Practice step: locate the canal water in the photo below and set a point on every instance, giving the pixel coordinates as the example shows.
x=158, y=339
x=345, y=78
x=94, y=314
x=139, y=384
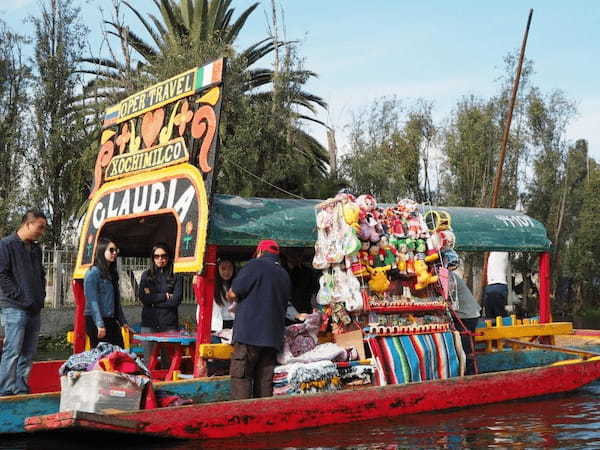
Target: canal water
x=565, y=421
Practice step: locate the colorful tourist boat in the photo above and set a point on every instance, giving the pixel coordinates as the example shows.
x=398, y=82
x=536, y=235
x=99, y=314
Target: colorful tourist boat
x=154, y=182
x=275, y=414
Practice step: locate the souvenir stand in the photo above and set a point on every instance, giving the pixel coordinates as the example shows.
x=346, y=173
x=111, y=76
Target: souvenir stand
x=383, y=274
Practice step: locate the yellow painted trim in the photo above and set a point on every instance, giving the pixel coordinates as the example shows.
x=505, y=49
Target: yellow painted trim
x=106, y=135
x=575, y=361
x=211, y=97
x=566, y=362
x=181, y=170
x=116, y=159
x=215, y=351
x=156, y=105
x=519, y=331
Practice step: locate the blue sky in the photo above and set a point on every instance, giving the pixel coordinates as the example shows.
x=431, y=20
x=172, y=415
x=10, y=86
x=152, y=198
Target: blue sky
x=436, y=50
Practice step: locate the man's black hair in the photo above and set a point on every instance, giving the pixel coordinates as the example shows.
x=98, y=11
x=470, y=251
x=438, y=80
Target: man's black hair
x=31, y=215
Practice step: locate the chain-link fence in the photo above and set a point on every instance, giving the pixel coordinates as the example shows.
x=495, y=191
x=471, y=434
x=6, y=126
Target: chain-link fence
x=60, y=263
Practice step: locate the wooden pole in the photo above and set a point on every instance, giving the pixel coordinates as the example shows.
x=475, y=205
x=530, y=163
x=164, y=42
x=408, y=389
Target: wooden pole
x=572, y=351
x=511, y=107
x=504, y=143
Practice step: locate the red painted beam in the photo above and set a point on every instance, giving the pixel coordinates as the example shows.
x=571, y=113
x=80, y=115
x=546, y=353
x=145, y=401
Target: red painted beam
x=78, y=318
x=587, y=332
x=204, y=291
x=545, y=285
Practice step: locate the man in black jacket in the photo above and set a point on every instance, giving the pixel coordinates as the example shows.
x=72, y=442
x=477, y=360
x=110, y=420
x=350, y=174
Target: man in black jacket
x=22, y=294
x=262, y=290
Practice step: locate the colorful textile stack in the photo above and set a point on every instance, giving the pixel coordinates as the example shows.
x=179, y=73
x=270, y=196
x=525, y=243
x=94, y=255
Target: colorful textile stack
x=419, y=357
x=297, y=378
x=106, y=357
x=354, y=373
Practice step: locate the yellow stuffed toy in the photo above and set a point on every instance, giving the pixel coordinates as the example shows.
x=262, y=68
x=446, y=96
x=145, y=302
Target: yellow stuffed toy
x=424, y=278
x=379, y=281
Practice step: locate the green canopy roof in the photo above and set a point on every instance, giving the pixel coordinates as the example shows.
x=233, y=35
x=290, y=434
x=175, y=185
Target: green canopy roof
x=238, y=221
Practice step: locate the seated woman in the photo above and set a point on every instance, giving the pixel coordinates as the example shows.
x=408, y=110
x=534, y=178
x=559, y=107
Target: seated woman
x=223, y=314
x=161, y=292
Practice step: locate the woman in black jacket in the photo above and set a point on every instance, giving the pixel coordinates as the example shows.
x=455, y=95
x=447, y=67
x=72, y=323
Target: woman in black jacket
x=161, y=292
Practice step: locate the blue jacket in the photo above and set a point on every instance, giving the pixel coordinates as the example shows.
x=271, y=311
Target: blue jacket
x=263, y=289
x=102, y=299
x=22, y=275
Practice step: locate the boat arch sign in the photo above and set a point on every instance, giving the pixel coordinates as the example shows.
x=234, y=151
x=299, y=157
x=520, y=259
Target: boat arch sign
x=171, y=201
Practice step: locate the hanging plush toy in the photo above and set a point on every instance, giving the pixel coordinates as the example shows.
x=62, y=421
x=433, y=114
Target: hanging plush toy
x=402, y=258
x=424, y=278
x=351, y=215
x=367, y=218
x=379, y=281
x=387, y=253
x=363, y=258
x=374, y=259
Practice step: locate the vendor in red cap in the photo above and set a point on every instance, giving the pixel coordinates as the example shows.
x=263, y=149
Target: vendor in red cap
x=262, y=290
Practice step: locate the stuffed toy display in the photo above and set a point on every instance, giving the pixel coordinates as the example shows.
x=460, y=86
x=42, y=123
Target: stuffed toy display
x=380, y=257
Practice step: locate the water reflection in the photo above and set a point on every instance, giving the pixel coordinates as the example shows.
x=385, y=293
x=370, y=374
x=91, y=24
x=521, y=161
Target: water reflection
x=566, y=421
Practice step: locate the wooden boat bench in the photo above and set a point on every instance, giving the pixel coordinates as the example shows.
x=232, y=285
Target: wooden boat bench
x=520, y=329
x=215, y=351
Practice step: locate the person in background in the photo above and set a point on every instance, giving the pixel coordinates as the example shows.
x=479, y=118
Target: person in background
x=466, y=313
x=104, y=315
x=223, y=314
x=161, y=292
x=305, y=282
x=262, y=290
x=22, y=295
x=496, y=290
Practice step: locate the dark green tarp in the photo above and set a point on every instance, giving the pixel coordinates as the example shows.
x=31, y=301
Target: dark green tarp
x=238, y=221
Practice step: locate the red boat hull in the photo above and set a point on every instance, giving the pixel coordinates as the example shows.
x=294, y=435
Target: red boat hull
x=230, y=419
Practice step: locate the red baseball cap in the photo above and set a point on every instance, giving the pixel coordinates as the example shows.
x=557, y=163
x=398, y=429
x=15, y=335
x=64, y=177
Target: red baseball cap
x=268, y=245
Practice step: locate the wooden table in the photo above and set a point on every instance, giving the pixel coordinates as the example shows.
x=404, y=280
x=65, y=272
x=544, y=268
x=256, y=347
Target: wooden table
x=175, y=341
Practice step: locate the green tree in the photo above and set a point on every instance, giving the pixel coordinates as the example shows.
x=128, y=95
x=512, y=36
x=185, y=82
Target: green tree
x=385, y=151
x=14, y=84
x=59, y=130
x=583, y=263
x=193, y=32
x=548, y=116
x=546, y=194
x=470, y=145
x=283, y=159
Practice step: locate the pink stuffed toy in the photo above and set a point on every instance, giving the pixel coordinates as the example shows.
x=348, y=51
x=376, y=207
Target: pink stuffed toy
x=367, y=218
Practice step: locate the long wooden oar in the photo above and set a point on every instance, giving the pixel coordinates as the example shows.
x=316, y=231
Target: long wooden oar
x=583, y=353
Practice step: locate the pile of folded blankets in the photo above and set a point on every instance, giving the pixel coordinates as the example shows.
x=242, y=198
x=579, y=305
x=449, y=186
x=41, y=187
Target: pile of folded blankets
x=303, y=378
x=108, y=358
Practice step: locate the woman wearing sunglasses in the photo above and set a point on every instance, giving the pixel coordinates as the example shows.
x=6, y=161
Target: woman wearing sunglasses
x=103, y=312
x=161, y=292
